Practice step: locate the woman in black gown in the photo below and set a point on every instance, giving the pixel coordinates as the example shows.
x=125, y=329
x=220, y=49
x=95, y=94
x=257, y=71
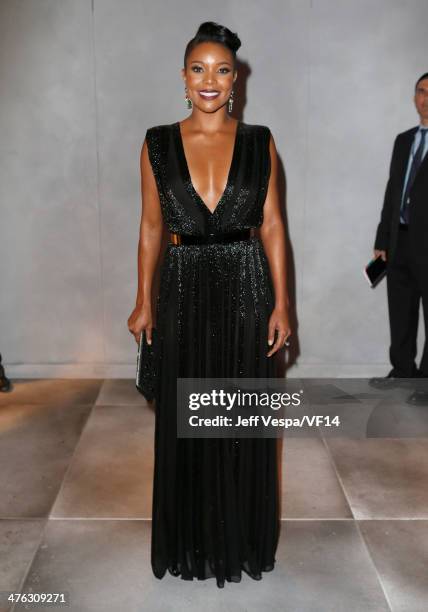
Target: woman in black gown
x=221, y=312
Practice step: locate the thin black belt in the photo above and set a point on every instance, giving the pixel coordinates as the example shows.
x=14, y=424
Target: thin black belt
x=210, y=238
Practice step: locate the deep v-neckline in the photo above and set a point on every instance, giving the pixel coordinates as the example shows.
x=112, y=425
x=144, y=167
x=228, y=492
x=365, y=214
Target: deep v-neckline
x=188, y=178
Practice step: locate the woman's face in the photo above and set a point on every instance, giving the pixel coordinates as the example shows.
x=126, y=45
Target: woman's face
x=209, y=69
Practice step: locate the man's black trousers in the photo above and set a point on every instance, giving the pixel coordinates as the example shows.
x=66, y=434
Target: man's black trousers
x=407, y=284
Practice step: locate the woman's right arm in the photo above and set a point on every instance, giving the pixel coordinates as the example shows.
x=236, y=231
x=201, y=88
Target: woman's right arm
x=149, y=245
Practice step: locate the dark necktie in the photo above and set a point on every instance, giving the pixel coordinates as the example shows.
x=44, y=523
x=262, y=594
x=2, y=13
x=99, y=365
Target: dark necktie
x=416, y=162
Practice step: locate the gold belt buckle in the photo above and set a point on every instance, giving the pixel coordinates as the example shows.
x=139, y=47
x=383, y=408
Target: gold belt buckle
x=175, y=238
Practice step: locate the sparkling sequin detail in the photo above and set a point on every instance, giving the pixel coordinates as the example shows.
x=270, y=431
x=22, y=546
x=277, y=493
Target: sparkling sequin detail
x=215, y=501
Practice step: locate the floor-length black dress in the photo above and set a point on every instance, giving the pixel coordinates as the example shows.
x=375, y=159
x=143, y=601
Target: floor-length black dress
x=215, y=501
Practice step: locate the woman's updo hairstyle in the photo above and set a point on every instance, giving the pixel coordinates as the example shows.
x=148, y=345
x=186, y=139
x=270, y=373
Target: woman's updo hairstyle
x=209, y=31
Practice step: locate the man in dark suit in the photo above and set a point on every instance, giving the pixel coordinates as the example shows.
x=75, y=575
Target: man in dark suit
x=402, y=241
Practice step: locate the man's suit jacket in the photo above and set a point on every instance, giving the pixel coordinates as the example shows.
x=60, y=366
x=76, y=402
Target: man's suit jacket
x=387, y=231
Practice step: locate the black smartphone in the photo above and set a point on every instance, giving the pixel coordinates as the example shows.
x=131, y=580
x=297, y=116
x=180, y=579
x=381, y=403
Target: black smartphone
x=375, y=271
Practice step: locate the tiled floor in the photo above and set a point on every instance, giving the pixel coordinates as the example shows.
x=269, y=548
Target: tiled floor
x=76, y=461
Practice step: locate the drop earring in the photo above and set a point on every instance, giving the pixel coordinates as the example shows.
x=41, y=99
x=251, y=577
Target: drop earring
x=188, y=100
x=231, y=101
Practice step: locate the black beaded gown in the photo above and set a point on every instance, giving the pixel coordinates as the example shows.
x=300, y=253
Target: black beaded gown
x=215, y=500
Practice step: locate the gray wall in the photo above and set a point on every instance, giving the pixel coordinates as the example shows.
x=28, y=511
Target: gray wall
x=81, y=82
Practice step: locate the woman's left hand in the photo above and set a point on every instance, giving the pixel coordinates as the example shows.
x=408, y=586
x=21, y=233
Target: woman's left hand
x=278, y=321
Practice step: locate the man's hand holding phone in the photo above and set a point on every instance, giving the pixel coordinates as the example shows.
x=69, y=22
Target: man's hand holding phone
x=378, y=253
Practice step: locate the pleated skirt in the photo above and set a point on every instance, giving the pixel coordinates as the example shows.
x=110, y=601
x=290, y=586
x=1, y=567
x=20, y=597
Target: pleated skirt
x=215, y=509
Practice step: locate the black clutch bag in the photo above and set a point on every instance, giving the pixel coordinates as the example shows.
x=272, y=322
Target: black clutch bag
x=147, y=366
